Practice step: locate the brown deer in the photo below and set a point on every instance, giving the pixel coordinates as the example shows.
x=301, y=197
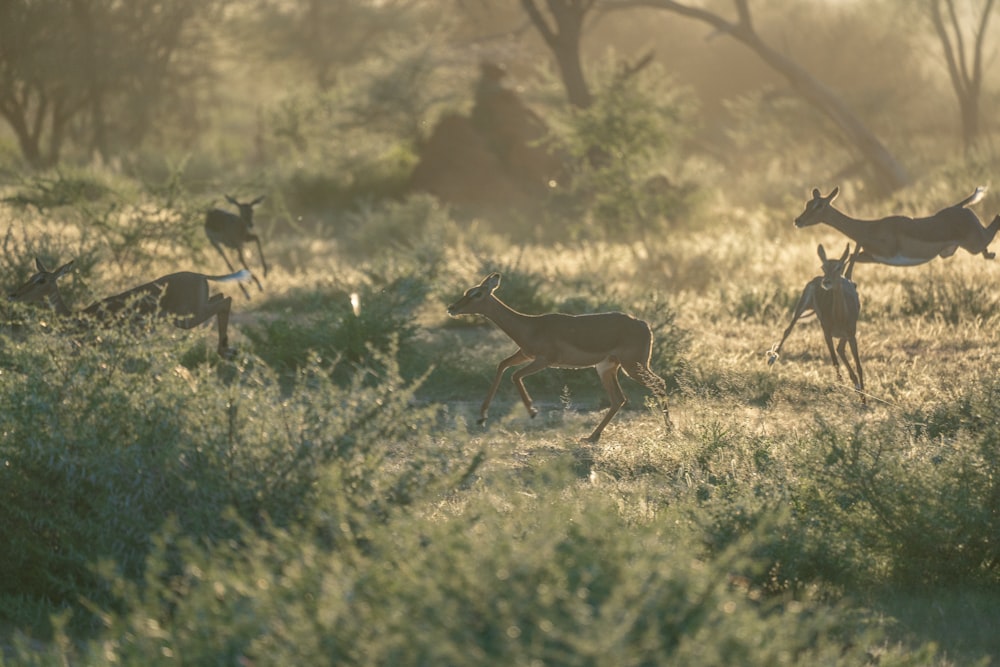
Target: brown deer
x=605, y=341
x=903, y=241
x=183, y=296
x=225, y=228
x=833, y=297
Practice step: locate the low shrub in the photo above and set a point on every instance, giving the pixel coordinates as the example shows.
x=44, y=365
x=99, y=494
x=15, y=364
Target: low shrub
x=104, y=438
x=328, y=326
x=549, y=583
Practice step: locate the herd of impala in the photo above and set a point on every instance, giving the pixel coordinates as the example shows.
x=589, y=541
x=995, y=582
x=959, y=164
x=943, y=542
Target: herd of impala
x=608, y=342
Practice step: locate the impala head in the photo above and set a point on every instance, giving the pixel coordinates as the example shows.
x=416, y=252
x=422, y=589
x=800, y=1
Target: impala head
x=42, y=285
x=470, y=301
x=833, y=269
x=246, y=210
x=815, y=208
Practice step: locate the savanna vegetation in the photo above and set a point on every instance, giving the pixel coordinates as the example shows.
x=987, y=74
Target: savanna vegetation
x=325, y=496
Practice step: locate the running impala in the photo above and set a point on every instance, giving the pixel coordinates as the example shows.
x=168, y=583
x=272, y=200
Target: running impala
x=224, y=228
x=903, y=241
x=605, y=341
x=184, y=296
x=833, y=296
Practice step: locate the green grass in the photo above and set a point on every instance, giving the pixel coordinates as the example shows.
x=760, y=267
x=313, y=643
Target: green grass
x=328, y=498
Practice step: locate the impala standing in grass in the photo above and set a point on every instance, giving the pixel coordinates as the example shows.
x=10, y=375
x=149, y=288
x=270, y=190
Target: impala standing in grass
x=903, y=241
x=183, y=296
x=224, y=228
x=833, y=296
x=605, y=341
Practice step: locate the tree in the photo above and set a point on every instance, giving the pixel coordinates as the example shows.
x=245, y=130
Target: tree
x=40, y=91
x=966, y=79
x=327, y=35
x=562, y=35
x=889, y=173
x=87, y=66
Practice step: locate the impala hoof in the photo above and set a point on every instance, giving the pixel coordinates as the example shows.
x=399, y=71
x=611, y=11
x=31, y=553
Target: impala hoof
x=481, y=421
x=771, y=358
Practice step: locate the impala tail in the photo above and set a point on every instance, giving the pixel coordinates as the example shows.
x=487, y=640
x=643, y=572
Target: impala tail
x=240, y=276
x=972, y=199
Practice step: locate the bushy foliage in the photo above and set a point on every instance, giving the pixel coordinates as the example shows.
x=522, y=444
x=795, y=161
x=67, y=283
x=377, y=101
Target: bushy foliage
x=620, y=146
x=104, y=439
x=335, y=326
x=546, y=581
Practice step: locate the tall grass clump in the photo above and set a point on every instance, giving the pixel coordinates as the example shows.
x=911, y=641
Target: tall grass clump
x=105, y=437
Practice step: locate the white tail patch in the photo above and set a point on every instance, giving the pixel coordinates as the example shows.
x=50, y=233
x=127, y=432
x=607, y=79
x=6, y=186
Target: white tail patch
x=239, y=276
x=976, y=196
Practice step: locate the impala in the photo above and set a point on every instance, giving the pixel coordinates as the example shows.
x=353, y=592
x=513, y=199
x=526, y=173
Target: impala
x=224, y=228
x=605, y=341
x=184, y=296
x=834, y=299
x=903, y=241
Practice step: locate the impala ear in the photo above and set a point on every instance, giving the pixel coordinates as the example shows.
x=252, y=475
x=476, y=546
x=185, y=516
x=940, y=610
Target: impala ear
x=257, y=200
x=833, y=195
x=491, y=282
x=816, y=194
x=41, y=267
x=847, y=251
x=232, y=201
x=821, y=251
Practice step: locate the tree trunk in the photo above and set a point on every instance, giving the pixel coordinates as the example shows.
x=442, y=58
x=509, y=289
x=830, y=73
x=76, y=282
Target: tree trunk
x=889, y=173
x=967, y=82
x=564, y=41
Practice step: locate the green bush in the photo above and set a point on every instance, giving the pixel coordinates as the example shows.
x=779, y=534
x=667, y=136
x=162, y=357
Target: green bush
x=547, y=582
x=104, y=438
x=618, y=145
x=325, y=325
x=927, y=508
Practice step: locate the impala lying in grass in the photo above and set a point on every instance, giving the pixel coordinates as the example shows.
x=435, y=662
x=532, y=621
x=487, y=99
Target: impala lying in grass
x=605, y=341
x=903, y=241
x=182, y=296
x=834, y=299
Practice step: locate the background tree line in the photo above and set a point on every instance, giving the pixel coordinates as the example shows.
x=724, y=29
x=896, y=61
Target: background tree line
x=863, y=82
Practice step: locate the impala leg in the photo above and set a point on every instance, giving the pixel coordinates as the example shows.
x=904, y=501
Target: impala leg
x=859, y=383
x=515, y=359
x=842, y=351
x=608, y=370
x=231, y=268
x=642, y=374
x=217, y=306
x=801, y=307
x=260, y=251
x=239, y=253
x=537, y=364
x=989, y=233
x=833, y=354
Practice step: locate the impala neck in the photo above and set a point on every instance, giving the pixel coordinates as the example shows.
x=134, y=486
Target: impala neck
x=514, y=324
x=842, y=222
x=57, y=303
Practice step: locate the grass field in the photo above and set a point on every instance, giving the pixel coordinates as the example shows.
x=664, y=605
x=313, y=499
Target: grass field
x=327, y=497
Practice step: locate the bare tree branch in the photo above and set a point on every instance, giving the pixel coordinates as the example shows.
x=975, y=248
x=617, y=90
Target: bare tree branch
x=889, y=173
